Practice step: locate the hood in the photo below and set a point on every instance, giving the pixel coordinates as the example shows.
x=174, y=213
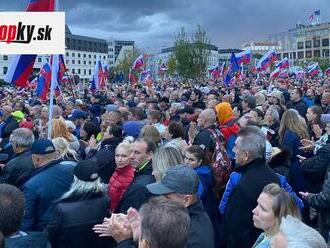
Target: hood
x=224, y=112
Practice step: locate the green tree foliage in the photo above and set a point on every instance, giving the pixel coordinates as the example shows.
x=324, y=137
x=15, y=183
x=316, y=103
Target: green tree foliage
x=126, y=63
x=171, y=66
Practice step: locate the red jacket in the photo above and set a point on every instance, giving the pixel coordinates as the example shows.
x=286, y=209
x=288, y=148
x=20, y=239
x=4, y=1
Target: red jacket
x=118, y=184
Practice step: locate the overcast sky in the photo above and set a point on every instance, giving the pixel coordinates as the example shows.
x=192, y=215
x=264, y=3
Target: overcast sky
x=154, y=23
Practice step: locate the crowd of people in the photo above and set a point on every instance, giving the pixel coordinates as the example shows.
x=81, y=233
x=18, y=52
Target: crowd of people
x=172, y=164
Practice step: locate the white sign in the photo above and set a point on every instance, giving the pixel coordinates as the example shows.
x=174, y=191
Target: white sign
x=32, y=33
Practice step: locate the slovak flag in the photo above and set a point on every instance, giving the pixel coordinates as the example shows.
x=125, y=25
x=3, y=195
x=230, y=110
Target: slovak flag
x=41, y=5
x=266, y=60
x=44, y=82
x=131, y=77
x=244, y=57
x=275, y=73
x=283, y=64
x=313, y=69
x=98, y=81
x=20, y=69
x=138, y=63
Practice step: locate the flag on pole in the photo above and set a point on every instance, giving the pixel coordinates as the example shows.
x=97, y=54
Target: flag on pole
x=283, y=64
x=131, y=77
x=41, y=5
x=20, y=69
x=98, y=81
x=244, y=57
x=233, y=68
x=138, y=63
x=43, y=84
x=266, y=60
x=313, y=69
x=327, y=72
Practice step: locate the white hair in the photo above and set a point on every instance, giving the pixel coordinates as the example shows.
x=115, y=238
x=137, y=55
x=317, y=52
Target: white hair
x=299, y=235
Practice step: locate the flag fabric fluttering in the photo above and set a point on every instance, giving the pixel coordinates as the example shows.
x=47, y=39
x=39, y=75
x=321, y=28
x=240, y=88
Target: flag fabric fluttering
x=327, y=72
x=313, y=15
x=138, y=63
x=313, y=69
x=233, y=68
x=145, y=75
x=43, y=84
x=131, y=77
x=244, y=57
x=20, y=69
x=275, y=73
x=98, y=81
x=283, y=64
x=21, y=66
x=266, y=60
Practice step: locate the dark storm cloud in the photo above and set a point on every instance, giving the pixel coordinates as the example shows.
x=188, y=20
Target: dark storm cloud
x=155, y=22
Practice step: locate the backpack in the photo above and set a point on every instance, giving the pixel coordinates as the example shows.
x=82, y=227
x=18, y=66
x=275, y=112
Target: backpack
x=221, y=162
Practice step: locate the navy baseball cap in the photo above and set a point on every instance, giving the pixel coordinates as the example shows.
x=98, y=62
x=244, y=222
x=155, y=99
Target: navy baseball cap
x=42, y=147
x=180, y=179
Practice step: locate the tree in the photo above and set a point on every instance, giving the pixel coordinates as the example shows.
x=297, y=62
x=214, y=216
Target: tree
x=171, y=66
x=201, y=52
x=184, y=55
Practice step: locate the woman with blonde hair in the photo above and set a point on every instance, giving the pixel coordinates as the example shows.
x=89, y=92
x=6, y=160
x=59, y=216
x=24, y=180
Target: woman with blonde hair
x=60, y=129
x=63, y=149
x=292, y=129
x=273, y=204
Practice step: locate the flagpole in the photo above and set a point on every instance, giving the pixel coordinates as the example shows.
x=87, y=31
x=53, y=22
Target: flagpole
x=52, y=88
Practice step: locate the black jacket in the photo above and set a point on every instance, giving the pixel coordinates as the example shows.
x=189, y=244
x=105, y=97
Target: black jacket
x=321, y=202
x=205, y=137
x=201, y=232
x=28, y=240
x=300, y=106
x=239, y=230
x=105, y=158
x=280, y=163
x=315, y=169
x=73, y=219
x=137, y=193
x=17, y=170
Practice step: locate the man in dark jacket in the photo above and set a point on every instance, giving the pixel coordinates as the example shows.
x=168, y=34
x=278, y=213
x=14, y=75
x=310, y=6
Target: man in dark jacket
x=137, y=193
x=238, y=227
x=11, y=214
x=47, y=183
x=16, y=171
x=297, y=102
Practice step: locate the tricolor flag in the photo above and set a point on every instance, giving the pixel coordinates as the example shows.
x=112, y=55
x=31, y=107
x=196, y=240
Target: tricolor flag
x=21, y=66
x=244, y=57
x=266, y=60
x=44, y=81
x=20, y=69
x=233, y=68
x=138, y=63
x=313, y=69
x=145, y=75
x=41, y=5
x=283, y=64
x=131, y=77
x=98, y=81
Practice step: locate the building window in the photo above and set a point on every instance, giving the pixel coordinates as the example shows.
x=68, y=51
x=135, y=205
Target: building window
x=308, y=54
x=94, y=56
x=78, y=71
x=325, y=42
x=67, y=54
x=89, y=56
x=89, y=62
x=316, y=43
x=90, y=71
x=67, y=61
x=39, y=60
x=78, y=62
x=73, y=54
x=73, y=71
x=111, y=56
x=5, y=69
x=73, y=62
x=317, y=53
x=285, y=55
x=308, y=44
x=78, y=55
x=5, y=57
x=300, y=55
x=294, y=55
x=110, y=62
x=104, y=57
x=84, y=71
x=84, y=56
x=325, y=53
x=84, y=62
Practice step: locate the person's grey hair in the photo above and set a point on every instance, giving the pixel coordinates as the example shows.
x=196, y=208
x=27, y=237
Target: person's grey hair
x=164, y=223
x=166, y=157
x=62, y=147
x=177, y=106
x=22, y=137
x=82, y=188
x=209, y=115
x=253, y=141
x=57, y=111
x=299, y=235
x=274, y=113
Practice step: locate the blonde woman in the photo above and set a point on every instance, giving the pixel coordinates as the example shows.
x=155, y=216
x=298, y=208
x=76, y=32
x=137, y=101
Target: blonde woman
x=292, y=129
x=64, y=151
x=60, y=130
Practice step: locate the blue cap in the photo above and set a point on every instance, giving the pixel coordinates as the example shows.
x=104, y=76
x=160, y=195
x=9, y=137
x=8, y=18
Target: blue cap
x=78, y=114
x=42, y=147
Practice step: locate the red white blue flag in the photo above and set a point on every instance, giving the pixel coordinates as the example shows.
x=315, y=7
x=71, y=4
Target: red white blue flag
x=41, y=5
x=244, y=57
x=283, y=64
x=44, y=80
x=266, y=60
x=98, y=81
x=138, y=63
